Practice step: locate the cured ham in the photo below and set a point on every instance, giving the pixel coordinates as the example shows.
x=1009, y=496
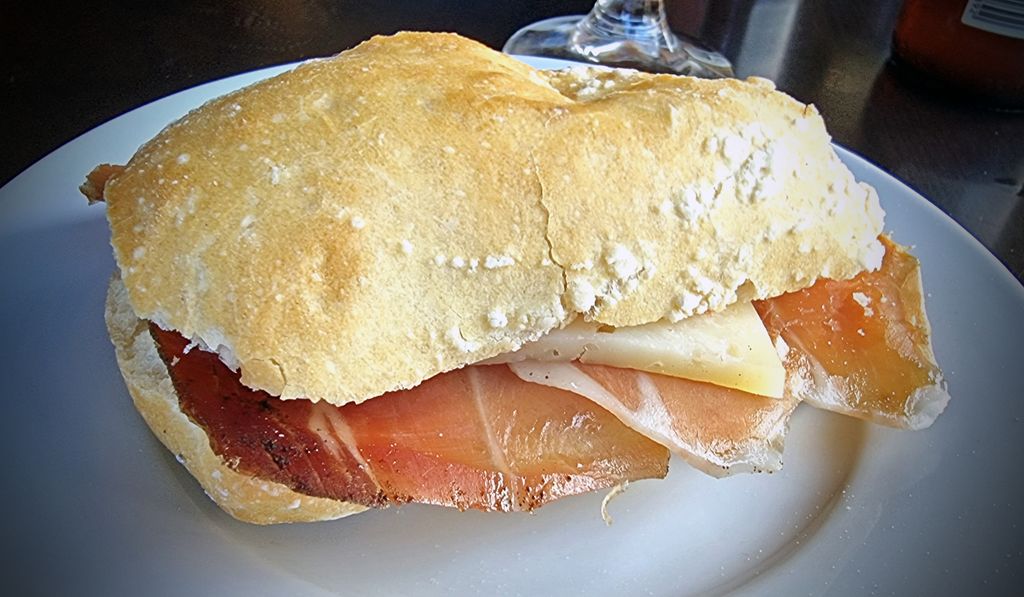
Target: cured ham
x=715, y=429
x=861, y=346
x=478, y=438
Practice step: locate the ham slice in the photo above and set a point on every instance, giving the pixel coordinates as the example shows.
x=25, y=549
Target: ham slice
x=862, y=346
x=717, y=430
x=478, y=438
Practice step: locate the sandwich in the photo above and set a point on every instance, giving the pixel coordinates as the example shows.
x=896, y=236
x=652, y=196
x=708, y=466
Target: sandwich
x=422, y=271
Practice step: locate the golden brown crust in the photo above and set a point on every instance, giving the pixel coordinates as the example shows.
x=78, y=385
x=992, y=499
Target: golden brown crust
x=360, y=246
x=96, y=181
x=418, y=203
x=246, y=498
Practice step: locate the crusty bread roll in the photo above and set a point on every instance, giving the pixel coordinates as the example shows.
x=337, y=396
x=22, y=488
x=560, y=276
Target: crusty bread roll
x=421, y=202
x=246, y=498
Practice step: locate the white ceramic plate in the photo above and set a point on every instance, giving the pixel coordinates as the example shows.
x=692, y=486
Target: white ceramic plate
x=94, y=505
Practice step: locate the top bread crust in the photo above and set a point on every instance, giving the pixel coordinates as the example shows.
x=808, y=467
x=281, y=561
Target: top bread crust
x=421, y=202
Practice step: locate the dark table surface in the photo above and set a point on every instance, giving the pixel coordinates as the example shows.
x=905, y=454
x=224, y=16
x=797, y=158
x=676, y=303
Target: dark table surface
x=68, y=67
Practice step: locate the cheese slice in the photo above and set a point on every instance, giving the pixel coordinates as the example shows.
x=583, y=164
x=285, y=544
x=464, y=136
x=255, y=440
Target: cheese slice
x=730, y=348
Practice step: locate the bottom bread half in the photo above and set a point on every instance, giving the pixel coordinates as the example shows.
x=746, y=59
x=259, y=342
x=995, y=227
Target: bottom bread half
x=246, y=498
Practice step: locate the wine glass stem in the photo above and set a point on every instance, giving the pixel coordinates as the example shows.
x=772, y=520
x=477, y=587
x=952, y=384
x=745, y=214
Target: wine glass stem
x=643, y=21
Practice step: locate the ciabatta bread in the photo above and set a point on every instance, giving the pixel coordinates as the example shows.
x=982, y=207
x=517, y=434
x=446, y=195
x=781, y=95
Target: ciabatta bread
x=364, y=222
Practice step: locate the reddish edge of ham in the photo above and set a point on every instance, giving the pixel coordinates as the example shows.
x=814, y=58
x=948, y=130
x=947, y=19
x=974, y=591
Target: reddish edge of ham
x=476, y=438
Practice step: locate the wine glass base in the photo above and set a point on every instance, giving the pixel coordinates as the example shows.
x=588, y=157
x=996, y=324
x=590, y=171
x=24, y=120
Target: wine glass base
x=562, y=37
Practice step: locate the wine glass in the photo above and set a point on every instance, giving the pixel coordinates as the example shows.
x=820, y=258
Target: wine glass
x=626, y=33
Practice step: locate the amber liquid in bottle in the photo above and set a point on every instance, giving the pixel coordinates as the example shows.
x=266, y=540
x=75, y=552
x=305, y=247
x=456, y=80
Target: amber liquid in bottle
x=932, y=40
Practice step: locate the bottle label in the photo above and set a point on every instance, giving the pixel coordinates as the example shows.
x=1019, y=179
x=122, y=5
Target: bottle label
x=1003, y=17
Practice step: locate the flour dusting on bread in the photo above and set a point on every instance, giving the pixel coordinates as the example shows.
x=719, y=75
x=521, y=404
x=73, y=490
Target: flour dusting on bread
x=425, y=192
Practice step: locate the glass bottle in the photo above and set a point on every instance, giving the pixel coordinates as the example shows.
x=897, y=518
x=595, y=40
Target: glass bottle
x=976, y=47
